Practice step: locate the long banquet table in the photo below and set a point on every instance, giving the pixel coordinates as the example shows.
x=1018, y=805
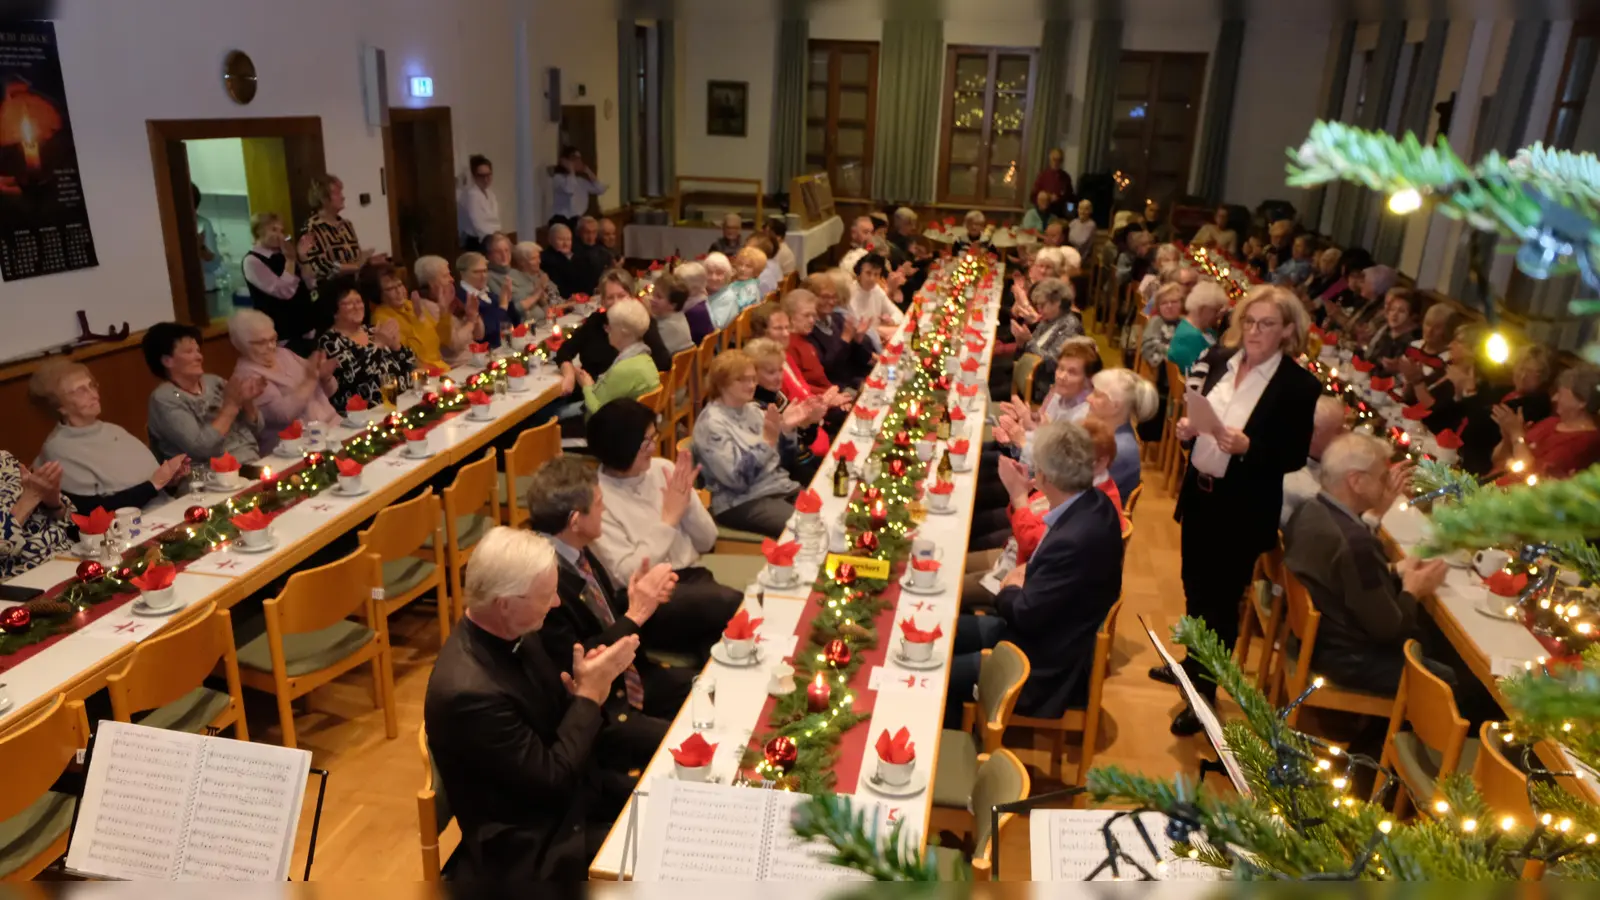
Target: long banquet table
x=78, y=663
x=896, y=696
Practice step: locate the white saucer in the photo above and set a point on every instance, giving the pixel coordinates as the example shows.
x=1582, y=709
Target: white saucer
x=216, y=485
x=340, y=492
x=5, y=703
x=352, y=423
x=1494, y=606
x=408, y=454
x=934, y=661
x=472, y=418
x=281, y=453
x=766, y=581
x=523, y=390
x=720, y=654
x=139, y=608
x=917, y=784
x=908, y=587
x=960, y=470
x=1458, y=561
x=268, y=548
x=947, y=511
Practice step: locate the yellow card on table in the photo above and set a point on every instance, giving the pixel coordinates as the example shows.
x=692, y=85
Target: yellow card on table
x=866, y=567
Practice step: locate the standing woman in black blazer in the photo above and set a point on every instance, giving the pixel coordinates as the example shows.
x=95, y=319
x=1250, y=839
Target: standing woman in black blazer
x=1233, y=492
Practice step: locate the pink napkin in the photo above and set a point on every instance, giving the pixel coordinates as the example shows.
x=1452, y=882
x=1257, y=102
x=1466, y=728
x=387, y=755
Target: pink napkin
x=898, y=749
x=694, y=752
x=741, y=627
x=779, y=554
x=910, y=631
x=155, y=578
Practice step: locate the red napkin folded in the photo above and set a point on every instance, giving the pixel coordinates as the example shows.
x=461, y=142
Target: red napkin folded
x=942, y=487
x=224, y=463
x=253, y=520
x=959, y=447
x=155, y=578
x=437, y=371
x=580, y=299
x=293, y=432
x=1383, y=384
x=516, y=370
x=949, y=221
x=1361, y=365
x=898, y=749
x=846, y=452
x=977, y=315
x=1416, y=412
x=655, y=266
x=1317, y=333
x=1448, y=439
x=1031, y=232
x=957, y=414
x=1505, y=584
x=741, y=627
x=780, y=554
x=97, y=522
x=976, y=346
x=910, y=631
x=479, y=347
x=348, y=467
x=925, y=565
x=896, y=348
x=694, y=752
x=819, y=444
x=478, y=398
x=416, y=434
x=356, y=404
x=520, y=330
x=808, y=502
x=865, y=412
x=967, y=390
x=970, y=364
x=877, y=384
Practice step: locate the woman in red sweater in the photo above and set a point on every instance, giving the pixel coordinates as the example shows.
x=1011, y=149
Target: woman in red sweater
x=1560, y=445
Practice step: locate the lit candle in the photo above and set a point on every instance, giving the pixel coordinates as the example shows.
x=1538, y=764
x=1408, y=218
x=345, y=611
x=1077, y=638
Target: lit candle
x=818, y=694
x=266, y=473
x=879, y=515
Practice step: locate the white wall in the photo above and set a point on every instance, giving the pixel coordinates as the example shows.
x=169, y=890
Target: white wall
x=723, y=50
x=581, y=40
x=1278, y=97
x=125, y=63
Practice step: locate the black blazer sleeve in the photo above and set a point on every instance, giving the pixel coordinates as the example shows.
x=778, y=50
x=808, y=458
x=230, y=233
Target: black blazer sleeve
x=1280, y=430
x=527, y=765
x=138, y=495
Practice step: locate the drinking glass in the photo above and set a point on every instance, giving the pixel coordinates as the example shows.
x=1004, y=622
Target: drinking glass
x=703, y=703
x=199, y=476
x=389, y=387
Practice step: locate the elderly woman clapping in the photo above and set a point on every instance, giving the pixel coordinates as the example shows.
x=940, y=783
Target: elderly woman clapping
x=459, y=324
x=192, y=412
x=531, y=289
x=1057, y=321
x=493, y=301
x=634, y=373
x=1122, y=400
x=101, y=463
x=364, y=358
x=737, y=444
x=722, y=301
x=295, y=387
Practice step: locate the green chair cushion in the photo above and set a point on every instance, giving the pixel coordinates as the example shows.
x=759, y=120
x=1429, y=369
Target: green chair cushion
x=735, y=570
x=312, y=651
x=957, y=771
x=403, y=574
x=192, y=712
x=1418, y=764
x=523, y=483
x=470, y=529
x=30, y=832
x=949, y=861
x=725, y=533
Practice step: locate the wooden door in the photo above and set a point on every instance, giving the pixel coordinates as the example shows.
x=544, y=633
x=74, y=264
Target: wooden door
x=419, y=163
x=179, y=228
x=578, y=130
x=1153, y=121
x=988, y=94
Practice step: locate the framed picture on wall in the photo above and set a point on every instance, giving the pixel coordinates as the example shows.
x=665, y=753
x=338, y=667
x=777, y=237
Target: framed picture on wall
x=726, y=105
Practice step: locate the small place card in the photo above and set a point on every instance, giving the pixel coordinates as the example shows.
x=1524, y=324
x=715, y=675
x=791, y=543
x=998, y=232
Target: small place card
x=881, y=679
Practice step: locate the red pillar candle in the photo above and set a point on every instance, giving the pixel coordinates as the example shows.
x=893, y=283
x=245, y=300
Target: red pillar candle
x=818, y=694
x=878, y=515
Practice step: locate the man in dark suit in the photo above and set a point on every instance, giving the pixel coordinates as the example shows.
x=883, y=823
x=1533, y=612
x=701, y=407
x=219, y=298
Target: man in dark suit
x=1052, y=604
x=565, y=505
x=512, y=735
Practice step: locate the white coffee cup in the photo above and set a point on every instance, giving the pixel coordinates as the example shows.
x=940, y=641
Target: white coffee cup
x=916, y=651
x=952, y=363
x=781, y=684
x=958, y=428
x=896, y=774
x=129, y=519
x=925, y=448
x=837, y=540
x=521, y=342
x=480, y=360
x=480, y=412
x=779, y=574
x=1446, y=456
x=923, y=548
x=924, y=578
x=350, y=484
x=417, y=447
x=962, y=462
x=864, y=426
x=938, y=502
x=808, y=521
x=160, y=599
x=257, y=539
x=1487, y=562
x=517, y=383
x=695, y=773
x=739, y=649
x=291, y=446
x=227, y=480
x=316, y=434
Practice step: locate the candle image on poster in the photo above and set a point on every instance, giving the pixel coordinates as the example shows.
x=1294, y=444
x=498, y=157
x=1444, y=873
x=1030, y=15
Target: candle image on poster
x=44, y=222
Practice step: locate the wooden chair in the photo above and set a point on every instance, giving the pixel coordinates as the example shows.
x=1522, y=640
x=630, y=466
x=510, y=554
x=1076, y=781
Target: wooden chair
x=730, y=541
x=166, y=675
x=1022, y=373
x=534, y=448
x=34, y=820
x=1086, y=720
x=1301, y=621
x=1173, y=457
x=1502, y=784
x=653, y=399
x=1001, y=779
x=679, y=400
x=310, y=640
x=1437, y=741
x=1003, y=672
x=471, y=508
x=1132, y=500
x=1262, y=615
x=433, y=811
x=741, y=327
x=710, y=345
x=1127, y=534
x=409, y=540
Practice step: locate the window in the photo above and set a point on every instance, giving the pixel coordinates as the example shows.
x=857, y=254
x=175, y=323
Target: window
x=842, y=113
x=988, y=93
x=1153, y=121
x=1574, y=91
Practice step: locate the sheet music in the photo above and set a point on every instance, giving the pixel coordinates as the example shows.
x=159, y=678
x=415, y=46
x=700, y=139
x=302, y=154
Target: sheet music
x=1069, y=844
x=1206, y=715
x=165, y=805
x=709, y=832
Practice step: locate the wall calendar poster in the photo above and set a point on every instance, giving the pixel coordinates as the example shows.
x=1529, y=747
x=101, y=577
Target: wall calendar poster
x=44, y=221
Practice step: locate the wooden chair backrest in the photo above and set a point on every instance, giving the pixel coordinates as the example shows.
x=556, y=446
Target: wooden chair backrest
x=679, y=377
x=1132, y=500
x=1174, y=389
x=398, y=530
x=476, y=487
x=313, y=599
x=534, y=448
x=1427, y=702
x=1002, y=778
x=1022, y=376
x=34, y=754
x=172, y=663
x=433, y=811
x=1504, y=786
x=1127, y=534
x=1302, y=620
x=653, y=400
x=1104, y=640
x=1001, y=675
x=709, y=345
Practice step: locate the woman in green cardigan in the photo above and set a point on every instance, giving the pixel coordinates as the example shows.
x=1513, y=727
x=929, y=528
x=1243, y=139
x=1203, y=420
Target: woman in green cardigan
x=634, y=373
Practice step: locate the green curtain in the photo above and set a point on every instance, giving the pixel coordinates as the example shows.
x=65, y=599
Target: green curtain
x=1218, y=124
x=1413, y=118
x=628, y=174
x=786, y=159
x=668, y=41
x=1332, y=104
x=910, y=70
x=1099, y=96
x=1048, y=129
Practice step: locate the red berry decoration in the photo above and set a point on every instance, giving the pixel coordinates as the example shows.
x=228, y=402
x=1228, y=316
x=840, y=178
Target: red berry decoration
x=780, y=753
x=195, y=515
x=16, y=619
x=837, y=653
x=845, y=574
x=89, y=570
x=124, y=573
x=868, y=541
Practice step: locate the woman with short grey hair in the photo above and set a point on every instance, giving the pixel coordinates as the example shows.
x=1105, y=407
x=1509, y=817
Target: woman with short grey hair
x=694, y=276
x=532, y=288
x=634, y=372
x=297, y=388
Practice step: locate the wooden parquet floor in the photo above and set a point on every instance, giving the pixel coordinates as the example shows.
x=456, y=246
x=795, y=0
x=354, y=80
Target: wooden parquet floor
x=369, y=825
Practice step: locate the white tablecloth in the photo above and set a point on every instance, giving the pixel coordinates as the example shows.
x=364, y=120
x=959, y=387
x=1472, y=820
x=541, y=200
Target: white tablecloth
x=690, y=241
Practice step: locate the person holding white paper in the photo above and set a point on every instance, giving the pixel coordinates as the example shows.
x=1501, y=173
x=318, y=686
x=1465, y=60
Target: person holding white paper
x=1263, y=404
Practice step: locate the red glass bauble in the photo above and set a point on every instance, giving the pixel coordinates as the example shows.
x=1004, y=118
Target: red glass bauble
x=16, y=619
x=124, y=573
x=430, y=398
x=873, y=493
x=942, y=384
x=780, y=753
x=845, y=574
x=89, y=570
x=194, y=515
x=903, y=438
x=837, y=653
x=868, y=541
x=897, y=467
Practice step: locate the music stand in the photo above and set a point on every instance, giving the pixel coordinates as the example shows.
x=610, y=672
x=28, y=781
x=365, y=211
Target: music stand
x=1226, y=763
